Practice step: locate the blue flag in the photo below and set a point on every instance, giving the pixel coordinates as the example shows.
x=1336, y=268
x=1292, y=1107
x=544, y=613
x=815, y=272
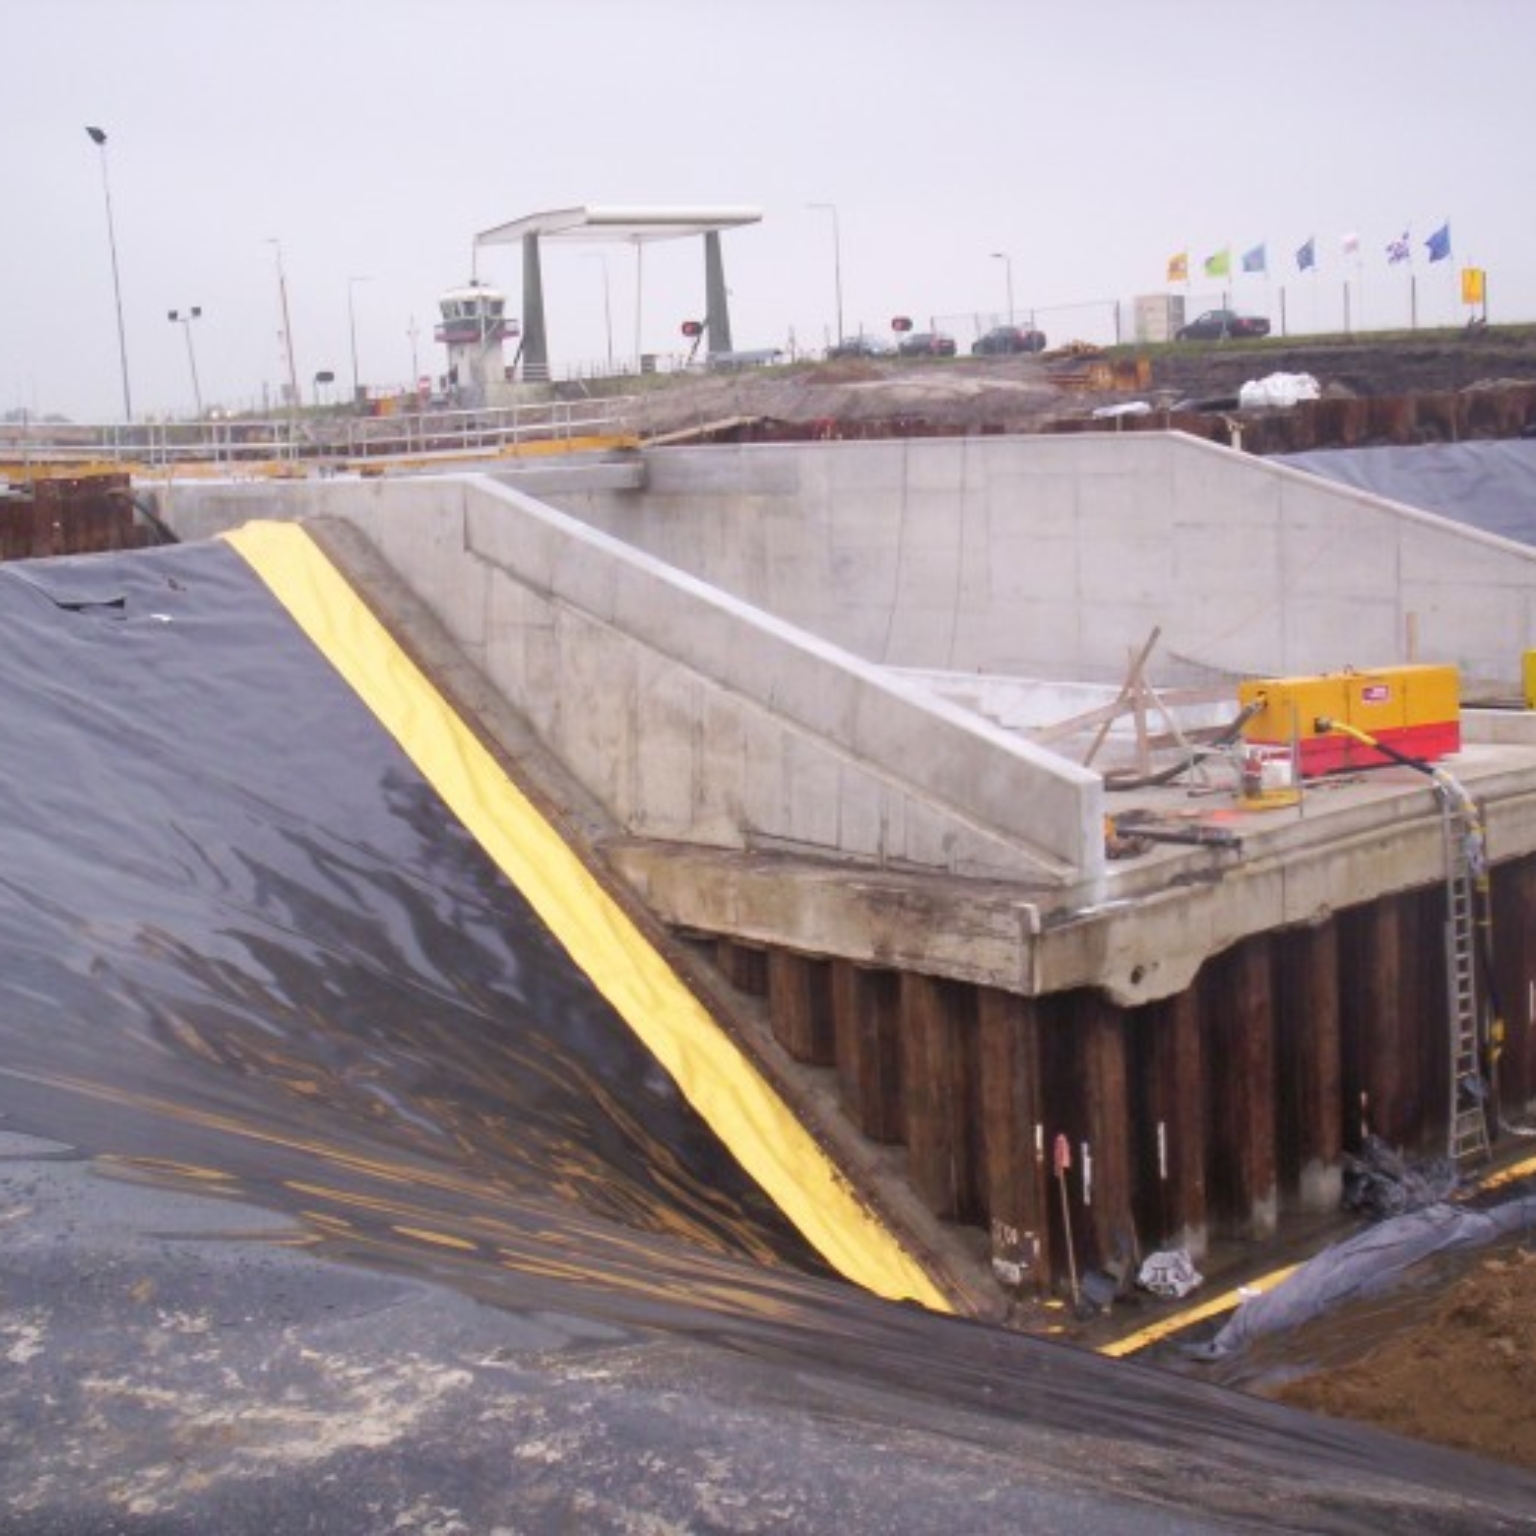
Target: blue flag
x=1439, y=243
x=1306, y=257
x=1253, y=261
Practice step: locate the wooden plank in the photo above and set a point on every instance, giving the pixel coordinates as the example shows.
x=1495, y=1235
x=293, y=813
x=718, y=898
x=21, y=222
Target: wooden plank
x=1169, y=1084
x=1103, y=1161
x=1015, y=1171
x=800, y=1007
x=866, y=1014
x=744, y=966
x=1309, y=1062
x=1237, y=1015
x=937, y=1033
x=1221, y=693
x=1383, y=1066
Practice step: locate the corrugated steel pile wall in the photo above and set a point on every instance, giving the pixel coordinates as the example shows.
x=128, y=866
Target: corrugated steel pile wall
x=1395, y=420
x=64, y=515
x=1215, y=1117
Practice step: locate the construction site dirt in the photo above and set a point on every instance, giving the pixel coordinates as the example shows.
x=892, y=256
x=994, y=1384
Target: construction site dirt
x=1446, y=1356
x=1456, y=1366
x=1439, y=387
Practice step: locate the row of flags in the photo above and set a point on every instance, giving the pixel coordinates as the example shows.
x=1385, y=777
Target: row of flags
x=1256, y=260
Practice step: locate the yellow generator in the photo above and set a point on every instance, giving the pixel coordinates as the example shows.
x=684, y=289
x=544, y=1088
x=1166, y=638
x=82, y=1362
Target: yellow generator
x=1416, y=710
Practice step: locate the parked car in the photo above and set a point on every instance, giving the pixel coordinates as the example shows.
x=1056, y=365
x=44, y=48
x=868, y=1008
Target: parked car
x=1002, y=339
x=926, y=344
x=860, y=346
x=1218, y=324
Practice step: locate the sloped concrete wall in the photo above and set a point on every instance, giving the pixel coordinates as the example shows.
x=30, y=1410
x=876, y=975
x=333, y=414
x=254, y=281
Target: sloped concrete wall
x=689, y=714
x=1057, y=557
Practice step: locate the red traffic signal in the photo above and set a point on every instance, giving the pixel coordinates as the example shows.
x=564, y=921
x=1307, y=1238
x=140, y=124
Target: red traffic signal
x=692, y=328
x=901, y=323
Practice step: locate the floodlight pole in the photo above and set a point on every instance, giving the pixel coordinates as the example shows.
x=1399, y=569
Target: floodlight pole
x=837, y=261
x=99, y=138
x=184, y=319
x=295, y=400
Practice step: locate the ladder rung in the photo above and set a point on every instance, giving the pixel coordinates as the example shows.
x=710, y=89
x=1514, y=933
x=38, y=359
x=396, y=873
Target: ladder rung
x=1468, y=1136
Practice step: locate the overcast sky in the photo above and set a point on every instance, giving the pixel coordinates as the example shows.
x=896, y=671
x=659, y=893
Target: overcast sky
x=1089, y=140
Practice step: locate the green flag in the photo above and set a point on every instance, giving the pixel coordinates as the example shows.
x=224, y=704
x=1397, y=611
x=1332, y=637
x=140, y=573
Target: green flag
x=1220, y=264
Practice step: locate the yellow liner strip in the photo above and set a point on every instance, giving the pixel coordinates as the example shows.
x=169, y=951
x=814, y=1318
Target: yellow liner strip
x=712, y=1072
x=1230, y=1300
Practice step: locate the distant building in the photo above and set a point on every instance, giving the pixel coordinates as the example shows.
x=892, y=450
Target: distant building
x=473, y=327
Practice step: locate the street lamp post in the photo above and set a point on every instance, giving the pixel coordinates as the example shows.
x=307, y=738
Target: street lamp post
x=294, y=402
x=184, y=318
x=99, y=138
x=352, y=283
x=1007, y=262
x=837, y=261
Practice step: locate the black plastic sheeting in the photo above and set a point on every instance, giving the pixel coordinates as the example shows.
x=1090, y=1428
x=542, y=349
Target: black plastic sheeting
x=332, y=1199
x=1490, y=486
x=1368, y=1264
x=214, y=858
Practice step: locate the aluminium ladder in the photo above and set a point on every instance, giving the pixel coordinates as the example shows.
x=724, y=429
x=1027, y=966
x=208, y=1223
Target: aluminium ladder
x=1468, y=1141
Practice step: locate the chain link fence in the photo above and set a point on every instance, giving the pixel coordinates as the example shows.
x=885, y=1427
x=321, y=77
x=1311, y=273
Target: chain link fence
x=1098, y=322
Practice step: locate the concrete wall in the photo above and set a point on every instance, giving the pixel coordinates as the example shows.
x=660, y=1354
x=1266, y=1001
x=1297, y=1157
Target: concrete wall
x=1057, y=556
x=689, y=714
x=749, y=704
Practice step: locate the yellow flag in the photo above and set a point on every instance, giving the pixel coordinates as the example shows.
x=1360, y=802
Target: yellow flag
x=1178, y=268
x=1471, y=285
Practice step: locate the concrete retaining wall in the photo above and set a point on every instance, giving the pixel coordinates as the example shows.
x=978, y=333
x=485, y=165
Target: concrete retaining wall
x=690, y=715
x=1057, y=556
x=706, y=643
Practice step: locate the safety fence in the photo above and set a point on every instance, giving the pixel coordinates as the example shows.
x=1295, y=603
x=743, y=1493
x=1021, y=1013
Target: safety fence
x=27, y=449
x=1098, y=322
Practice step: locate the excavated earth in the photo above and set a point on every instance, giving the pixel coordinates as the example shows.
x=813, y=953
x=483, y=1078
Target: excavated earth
x=1462, y=1373
x=1058, y=390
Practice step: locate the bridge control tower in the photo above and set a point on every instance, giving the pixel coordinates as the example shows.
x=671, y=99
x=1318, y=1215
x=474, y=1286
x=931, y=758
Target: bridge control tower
x=473, y=326
x=638, y=227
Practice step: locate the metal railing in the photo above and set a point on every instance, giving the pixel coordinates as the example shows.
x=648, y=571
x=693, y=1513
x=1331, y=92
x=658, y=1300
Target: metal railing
x=309, y=439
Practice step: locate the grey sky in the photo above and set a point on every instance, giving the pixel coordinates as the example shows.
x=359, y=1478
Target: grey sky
x=1090, y=142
